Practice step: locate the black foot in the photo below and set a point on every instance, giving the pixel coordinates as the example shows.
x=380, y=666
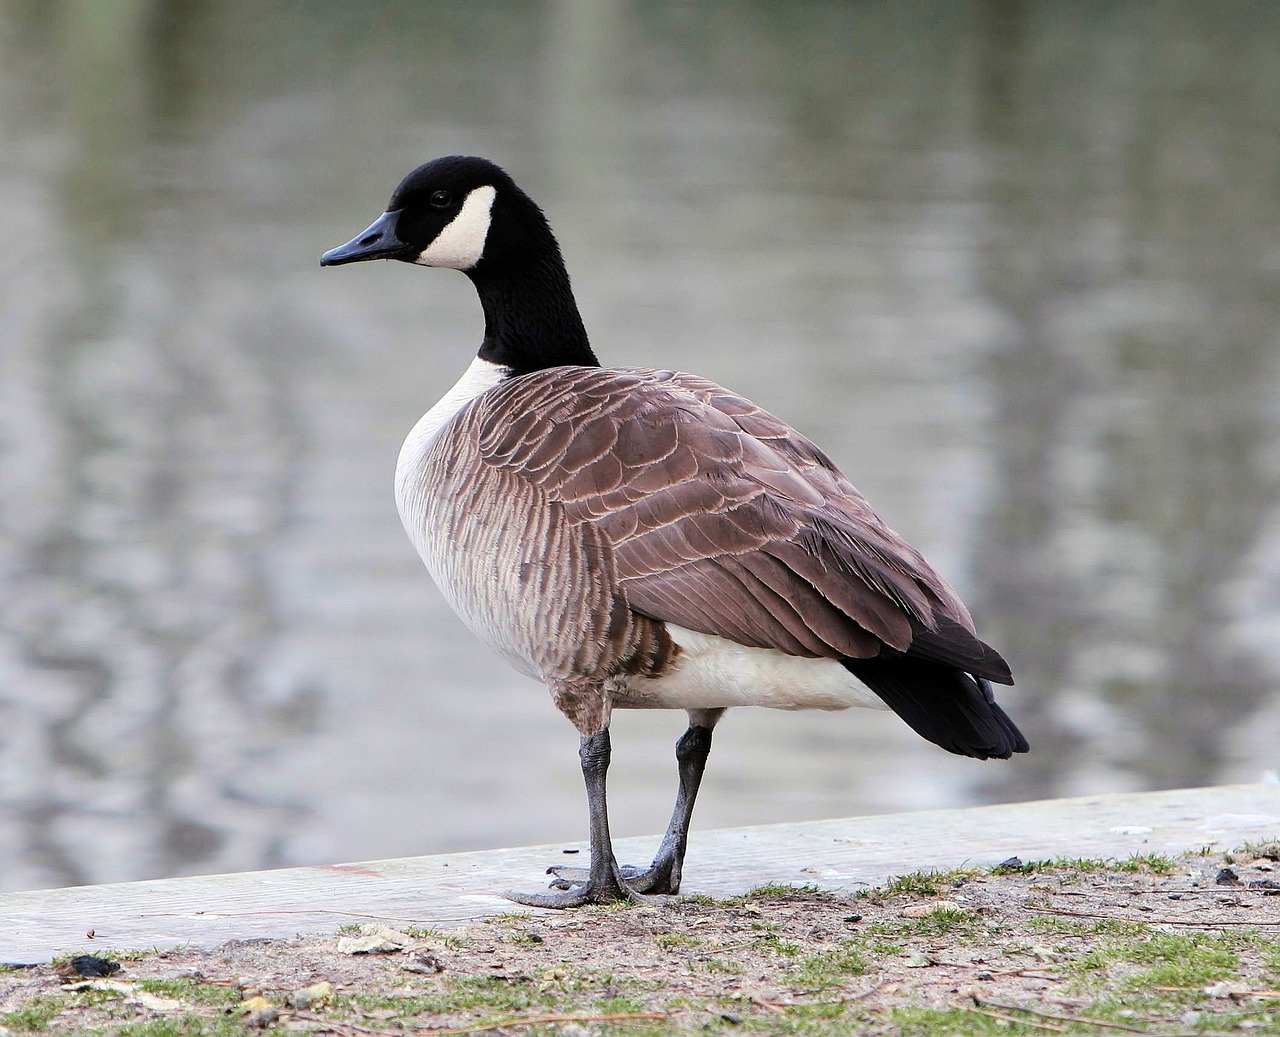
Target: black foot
x=657, y=878
x=581, y=890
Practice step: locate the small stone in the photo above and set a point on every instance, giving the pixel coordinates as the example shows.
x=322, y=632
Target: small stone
x=917, y=961
x=852, y=919
x=1226, y=877
x=305, y=997
x=986, y=977
x=261, y=1018
x=427, y=964
x=1226, y=989
x=259, y=1013
x=1010, y=862
x=374, y=939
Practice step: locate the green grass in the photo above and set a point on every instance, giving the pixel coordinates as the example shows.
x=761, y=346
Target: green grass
x=191, y=991
x=1154, y=863
x=178, y=1026
x=1169, y=960
x=768, y=891
x=35, y=1015
x=925, y=883
x=943, y=1022
x=1085, y=927
x=677, y=941
x=1142, y=863
x=777, y=945
x=830, y=968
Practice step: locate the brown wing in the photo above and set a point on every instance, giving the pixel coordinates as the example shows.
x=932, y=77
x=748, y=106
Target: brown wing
x=722, y=518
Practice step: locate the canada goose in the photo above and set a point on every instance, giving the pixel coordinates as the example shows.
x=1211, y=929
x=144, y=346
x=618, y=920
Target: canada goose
x=640, y=538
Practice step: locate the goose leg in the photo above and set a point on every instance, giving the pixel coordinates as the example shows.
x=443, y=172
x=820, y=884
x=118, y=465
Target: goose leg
x=604, y=883
x=664, y=874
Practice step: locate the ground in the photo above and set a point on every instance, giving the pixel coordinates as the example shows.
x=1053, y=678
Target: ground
x=1156, y=945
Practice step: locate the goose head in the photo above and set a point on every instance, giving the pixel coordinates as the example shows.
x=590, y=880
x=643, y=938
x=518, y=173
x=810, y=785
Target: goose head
x=457, y=212
x=467, y=214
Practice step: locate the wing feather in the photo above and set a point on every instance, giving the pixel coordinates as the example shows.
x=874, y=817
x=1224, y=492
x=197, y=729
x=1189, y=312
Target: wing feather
x=718, y=516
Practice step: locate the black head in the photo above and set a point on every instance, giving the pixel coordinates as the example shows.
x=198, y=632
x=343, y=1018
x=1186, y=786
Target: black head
x=457, y=212
x=467, y=214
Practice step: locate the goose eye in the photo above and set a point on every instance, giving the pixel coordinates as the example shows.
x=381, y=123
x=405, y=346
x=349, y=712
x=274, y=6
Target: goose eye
x=440, y=199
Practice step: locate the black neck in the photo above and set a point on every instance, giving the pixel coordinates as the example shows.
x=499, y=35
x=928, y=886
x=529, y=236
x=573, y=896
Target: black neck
x=531, y=320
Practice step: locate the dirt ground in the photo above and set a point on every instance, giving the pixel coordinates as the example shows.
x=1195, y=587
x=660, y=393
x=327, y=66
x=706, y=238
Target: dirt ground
x=1148, y=945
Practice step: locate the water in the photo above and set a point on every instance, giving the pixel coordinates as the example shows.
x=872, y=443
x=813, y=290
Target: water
x=1015, y=265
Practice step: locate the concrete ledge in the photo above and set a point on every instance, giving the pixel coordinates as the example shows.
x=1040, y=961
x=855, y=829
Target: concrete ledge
x=451, y=890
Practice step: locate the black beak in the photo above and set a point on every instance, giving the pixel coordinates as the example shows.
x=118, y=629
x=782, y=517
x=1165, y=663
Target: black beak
x=378, y=242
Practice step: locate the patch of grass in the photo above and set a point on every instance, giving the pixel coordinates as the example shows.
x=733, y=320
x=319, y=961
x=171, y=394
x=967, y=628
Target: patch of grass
x=674, y=941
x=928, y=882
x=935, y=1022
x=783, y=948
x=1153, y=863
x=944, y=921
x=1269, y=850
x=181, y=1026
x=936, y=923
x=1190, y=960
x=35, y=1015
x=1074, y=865
x=774, y=891
x=723, y=965
x=829, y=968
x=1085, y=927
x=457, y=994
x=619, y=1003
x=192, y=991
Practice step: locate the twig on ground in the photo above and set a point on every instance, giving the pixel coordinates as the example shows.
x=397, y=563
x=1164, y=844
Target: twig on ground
x=537, y=1020
x=869, y=991
x=1078, y=1020
x=343, y=1026
x=1014, y=1019
x=1250, y=923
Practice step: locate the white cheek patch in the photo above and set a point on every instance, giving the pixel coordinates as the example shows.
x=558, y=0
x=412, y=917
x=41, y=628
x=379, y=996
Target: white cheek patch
x=461, y=244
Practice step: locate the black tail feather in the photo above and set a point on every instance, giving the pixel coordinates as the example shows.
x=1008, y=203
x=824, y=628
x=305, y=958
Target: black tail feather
x=948, y=706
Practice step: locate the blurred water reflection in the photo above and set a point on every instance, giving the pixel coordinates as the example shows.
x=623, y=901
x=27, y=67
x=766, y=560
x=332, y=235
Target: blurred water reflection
x=1015, y=264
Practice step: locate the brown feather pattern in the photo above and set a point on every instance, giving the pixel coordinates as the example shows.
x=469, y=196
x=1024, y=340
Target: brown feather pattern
x=644, y=497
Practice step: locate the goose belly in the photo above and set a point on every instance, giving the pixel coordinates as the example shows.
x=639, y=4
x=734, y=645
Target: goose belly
x=714, y=673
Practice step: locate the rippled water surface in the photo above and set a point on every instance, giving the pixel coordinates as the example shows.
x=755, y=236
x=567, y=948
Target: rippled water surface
x=1015, y=265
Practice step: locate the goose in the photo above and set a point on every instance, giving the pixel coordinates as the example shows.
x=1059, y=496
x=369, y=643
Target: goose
x=638, y=538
